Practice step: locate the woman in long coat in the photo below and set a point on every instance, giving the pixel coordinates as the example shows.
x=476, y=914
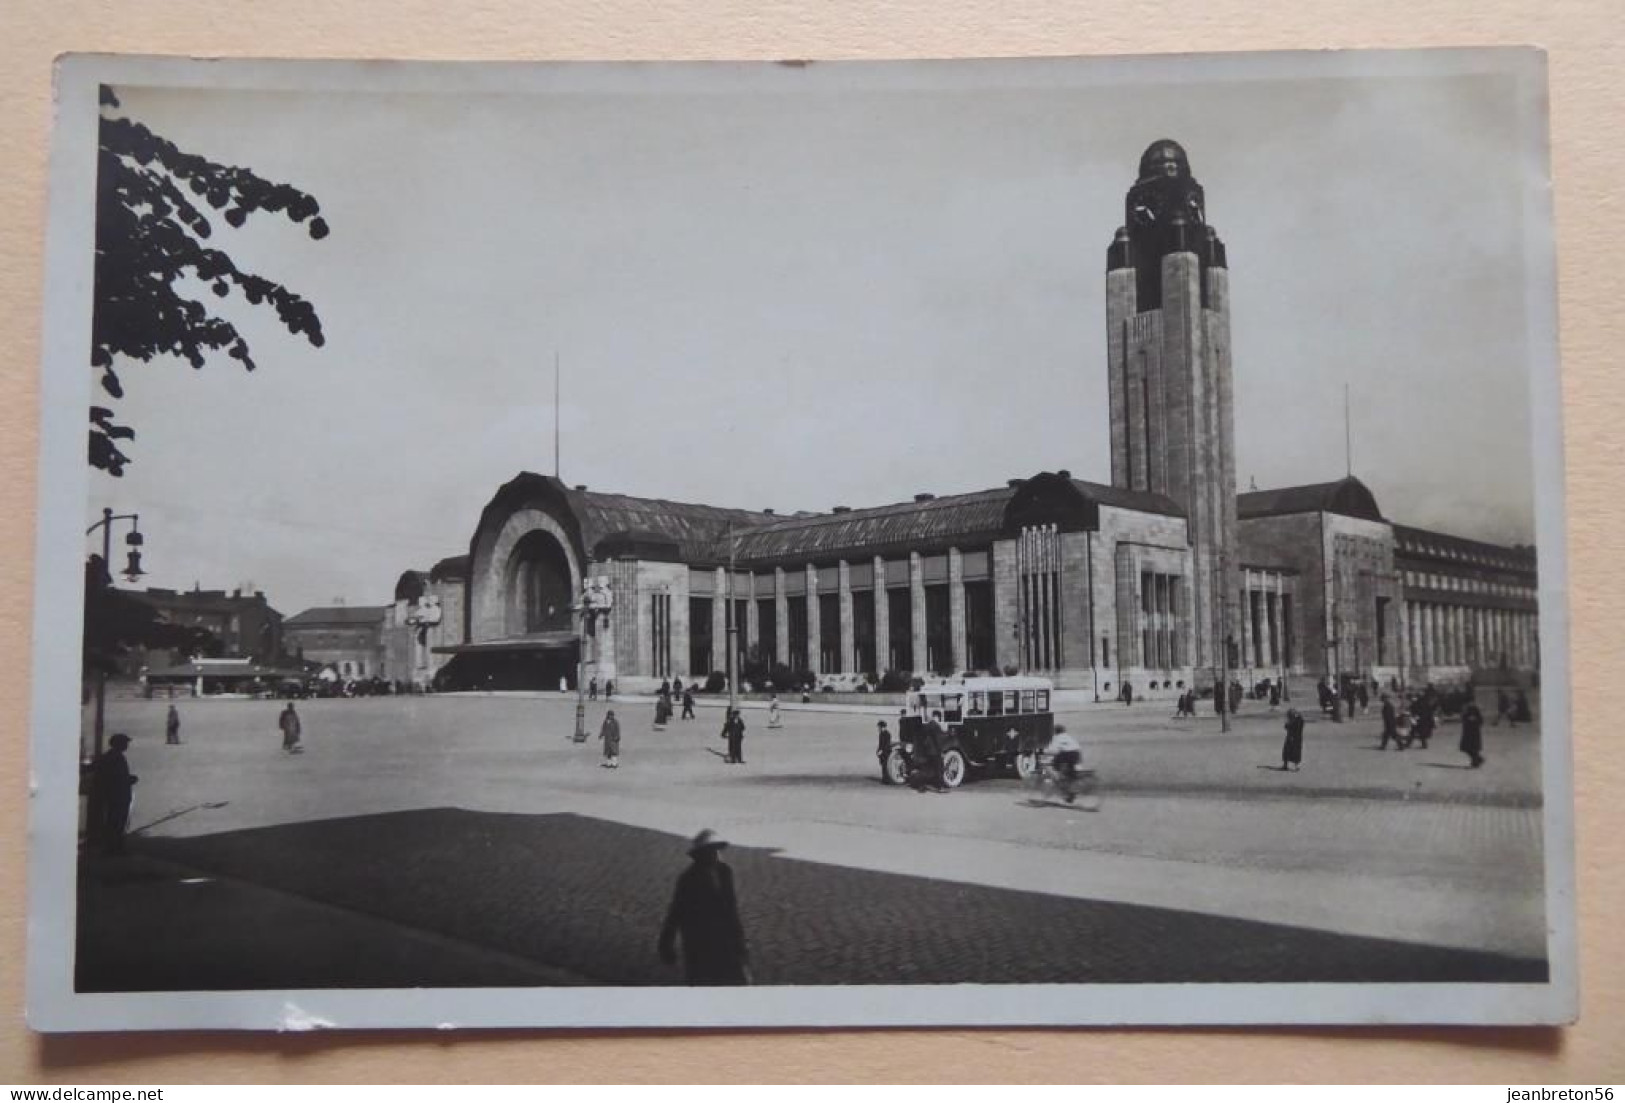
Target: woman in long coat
x=1292, y=748
x=1472, y=734
x=610, y=733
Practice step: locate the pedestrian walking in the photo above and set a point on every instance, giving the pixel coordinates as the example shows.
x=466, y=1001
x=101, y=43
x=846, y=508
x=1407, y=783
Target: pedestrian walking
x=662, y=712
x=610, y=733
x=609, y=690
x=677, y=688
x=688, y=704
x=292, y=730
x=1472, y=734
x=665, y=688
x=1275, y=695
x=1218, y=698
x=1364, y=697
x=774, y=720
x=704, y=917
x=734, y=730
x=1235, y=698
x=172, y=727
x=1503, y=708
x=1127, y=694
x=1292, y=747
x=111, y=785
x=1424, y=720
x=883, y=742
x=1521, y=710
x=1390, y=725
x=592, y=688
x=564, y=684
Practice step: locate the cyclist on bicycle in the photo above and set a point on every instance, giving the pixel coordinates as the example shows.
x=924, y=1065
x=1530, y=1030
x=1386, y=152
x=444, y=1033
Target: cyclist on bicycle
x=1066, y=760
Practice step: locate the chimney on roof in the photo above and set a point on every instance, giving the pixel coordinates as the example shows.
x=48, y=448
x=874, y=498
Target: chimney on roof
x=1064, y=473
x=924, y=497
x=581, y=486
x=840, y=509
x=1012, y=483
x=768, y=511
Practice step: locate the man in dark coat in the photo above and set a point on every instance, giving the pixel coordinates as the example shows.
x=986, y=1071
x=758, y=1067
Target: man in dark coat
x=1503, y=708
x=172, y=727
x=1521, y=710
x=1472, y=734
x=1292, y=747
x=927, y=755
x=688, y=704
x=734, y=729
x=1390, y=724
x=291, y=730
x=111, y=783
x=1423, y=711
x=704, y=914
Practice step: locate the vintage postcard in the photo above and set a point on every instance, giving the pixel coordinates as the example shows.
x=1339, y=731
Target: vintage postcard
x=1069, y=541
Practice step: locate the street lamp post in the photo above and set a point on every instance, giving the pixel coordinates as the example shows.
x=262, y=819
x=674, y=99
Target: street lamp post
x=132, y=571
x=1223, y=689
x=733, y=629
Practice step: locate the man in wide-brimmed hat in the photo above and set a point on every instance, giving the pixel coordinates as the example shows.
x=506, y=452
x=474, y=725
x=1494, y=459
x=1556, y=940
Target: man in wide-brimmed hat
x=111, y=783
x=705, y=913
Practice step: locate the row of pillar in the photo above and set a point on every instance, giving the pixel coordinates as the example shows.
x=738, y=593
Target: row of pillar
x=1460, y=635
x=1268, y=635
x=847, y=602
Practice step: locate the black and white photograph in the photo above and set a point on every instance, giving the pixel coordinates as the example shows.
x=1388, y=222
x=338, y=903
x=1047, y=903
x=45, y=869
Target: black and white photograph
x=1065, y=541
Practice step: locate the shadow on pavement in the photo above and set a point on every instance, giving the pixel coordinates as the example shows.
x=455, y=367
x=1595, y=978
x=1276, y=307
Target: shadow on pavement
x=446, y=897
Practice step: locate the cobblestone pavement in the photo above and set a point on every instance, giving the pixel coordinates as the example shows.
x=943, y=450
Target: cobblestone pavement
x=1401, y=847
x=590, y=894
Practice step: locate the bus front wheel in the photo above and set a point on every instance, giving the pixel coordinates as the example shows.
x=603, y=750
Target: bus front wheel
x=953, y=769
x=894, y=771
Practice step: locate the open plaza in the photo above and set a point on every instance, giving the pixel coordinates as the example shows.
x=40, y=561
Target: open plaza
x=468, y=840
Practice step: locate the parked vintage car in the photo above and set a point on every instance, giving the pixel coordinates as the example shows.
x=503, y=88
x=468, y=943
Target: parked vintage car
x=989, y=724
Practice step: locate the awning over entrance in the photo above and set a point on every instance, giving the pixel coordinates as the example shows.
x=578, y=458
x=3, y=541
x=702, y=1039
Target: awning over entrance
x=540, y=641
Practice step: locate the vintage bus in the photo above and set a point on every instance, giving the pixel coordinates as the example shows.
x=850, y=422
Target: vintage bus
x=990, y=724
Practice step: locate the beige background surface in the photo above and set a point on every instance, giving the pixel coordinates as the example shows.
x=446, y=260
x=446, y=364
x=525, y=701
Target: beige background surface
x=1588, y=109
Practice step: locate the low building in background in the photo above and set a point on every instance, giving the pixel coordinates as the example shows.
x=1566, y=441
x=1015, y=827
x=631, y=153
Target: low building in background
x=242, y=622
x=346, y=641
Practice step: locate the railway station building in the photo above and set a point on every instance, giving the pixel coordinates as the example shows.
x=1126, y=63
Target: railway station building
x=1161, y=577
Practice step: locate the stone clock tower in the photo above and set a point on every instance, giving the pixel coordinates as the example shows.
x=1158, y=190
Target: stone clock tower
x=1168, y=351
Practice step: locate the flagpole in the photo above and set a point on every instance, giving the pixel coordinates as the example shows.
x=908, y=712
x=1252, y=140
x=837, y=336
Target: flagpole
x=556, y=469
x=1348, y=434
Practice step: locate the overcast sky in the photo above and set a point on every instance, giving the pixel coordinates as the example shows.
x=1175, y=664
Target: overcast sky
x=795, y=296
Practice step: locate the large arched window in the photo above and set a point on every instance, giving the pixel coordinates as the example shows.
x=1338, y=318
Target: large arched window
x=539, y=586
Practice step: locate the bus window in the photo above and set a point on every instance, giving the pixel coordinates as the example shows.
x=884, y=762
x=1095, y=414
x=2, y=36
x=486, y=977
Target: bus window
x=1011, y=704
x=1029, y=701
x=1043, y=700
x=978, y=704
x=953, y=708
x=995, y=704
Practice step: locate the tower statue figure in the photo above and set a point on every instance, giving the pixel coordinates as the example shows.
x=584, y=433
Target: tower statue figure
x=1168, y=354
